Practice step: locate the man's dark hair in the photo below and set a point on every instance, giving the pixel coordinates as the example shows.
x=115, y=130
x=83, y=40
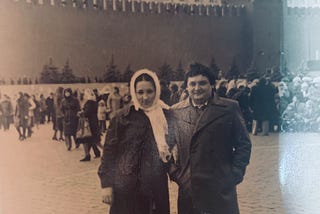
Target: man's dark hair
x=116, y=89
x=199, y=69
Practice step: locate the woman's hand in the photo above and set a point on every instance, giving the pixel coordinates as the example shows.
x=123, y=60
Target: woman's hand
x=107, y=195
x=174, y=153
x=80, y=113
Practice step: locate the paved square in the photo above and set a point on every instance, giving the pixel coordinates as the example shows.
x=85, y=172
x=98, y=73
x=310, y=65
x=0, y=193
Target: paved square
x=39, y=176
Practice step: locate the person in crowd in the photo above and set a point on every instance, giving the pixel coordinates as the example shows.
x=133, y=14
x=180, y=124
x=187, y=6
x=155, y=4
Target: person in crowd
x=175, y=96
x=70, y=107
x=242, y=96
x=262, y=104
x=21, y=116
x=273, y=111
x=36, y=111
x=222, y=89
x=102, y=115
x=132, y=171
x=212, y=147
x=90, y=111
x=126, y=98
x=57, y=116
x=115, y=101
x=32, y=107
x=98, y=96
x=50, y=107
x=165, y=92
x=6, y=111
x=43, y=109
x=183, y=92
x=232, y=88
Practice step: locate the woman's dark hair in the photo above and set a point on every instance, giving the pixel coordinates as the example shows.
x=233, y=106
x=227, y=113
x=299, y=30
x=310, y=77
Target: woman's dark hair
x=174, y=87
x=67, y=90
x=144, y=77
x=199, y=69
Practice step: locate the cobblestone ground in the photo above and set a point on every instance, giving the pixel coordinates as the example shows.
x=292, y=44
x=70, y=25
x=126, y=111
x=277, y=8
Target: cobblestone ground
x=39, y=176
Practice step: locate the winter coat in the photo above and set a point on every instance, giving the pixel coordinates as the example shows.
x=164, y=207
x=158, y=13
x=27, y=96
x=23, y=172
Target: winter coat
x=90, y=110
x=50, y=104
x=102, y=111
x=262, y=102
x=213, y=152
x=7, y=108
x=70, y=107
x=22, y=112
x=43, y=105
x=114, y=102
x=132, y=167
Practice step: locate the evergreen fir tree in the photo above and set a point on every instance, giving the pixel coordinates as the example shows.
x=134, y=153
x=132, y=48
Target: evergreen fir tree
x=214, y=68
x=19, y=81
x=12, y=82
x=112, y=74
x=179, y=73
x=25, y=81
x=82, y=79
x=49, y=73
x=67, y=75
x=30, y=81
x=165, y=72
x=233, y=72
x=127, y=74
x=88, y=79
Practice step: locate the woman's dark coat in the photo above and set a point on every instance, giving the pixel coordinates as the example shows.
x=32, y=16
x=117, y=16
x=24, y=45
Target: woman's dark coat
x=70, y=107
x=262, y=102
x=90, y=110
x=132, y=167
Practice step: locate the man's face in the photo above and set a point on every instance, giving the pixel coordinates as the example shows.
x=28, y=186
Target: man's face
x=199, y=89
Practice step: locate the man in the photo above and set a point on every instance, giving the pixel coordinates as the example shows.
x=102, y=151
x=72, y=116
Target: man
x=213, y=147
x=50, y=107
x=114, y=101
x=7, y=112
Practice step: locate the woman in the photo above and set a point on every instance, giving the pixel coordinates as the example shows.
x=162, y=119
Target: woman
x=90, y=110
x=70, y=106
x=132, y=170
x=57, y=115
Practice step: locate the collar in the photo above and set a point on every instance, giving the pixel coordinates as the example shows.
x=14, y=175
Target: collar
x=201, y=106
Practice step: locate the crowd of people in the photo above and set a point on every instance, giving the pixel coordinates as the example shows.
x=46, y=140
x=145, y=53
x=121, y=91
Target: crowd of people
x=158, y=129
x=284, y=106
x=299, y=104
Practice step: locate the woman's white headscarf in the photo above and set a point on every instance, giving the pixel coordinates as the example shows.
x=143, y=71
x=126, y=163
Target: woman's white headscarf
x=154, y=113
x=89, y=94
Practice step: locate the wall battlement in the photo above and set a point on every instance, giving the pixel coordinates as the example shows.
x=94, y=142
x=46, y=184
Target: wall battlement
x=143, y=7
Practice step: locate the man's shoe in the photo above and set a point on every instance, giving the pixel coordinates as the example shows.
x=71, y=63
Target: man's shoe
x=86, y=158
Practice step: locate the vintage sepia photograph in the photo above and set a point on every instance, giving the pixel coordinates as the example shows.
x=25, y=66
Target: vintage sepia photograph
x=159, y=106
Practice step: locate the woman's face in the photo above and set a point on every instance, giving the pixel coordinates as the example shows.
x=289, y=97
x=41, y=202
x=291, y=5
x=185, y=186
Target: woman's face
x=145, y=93
x=67, y=94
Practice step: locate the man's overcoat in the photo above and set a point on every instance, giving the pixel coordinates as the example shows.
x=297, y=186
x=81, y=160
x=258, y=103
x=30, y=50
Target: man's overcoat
x=213, y=152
